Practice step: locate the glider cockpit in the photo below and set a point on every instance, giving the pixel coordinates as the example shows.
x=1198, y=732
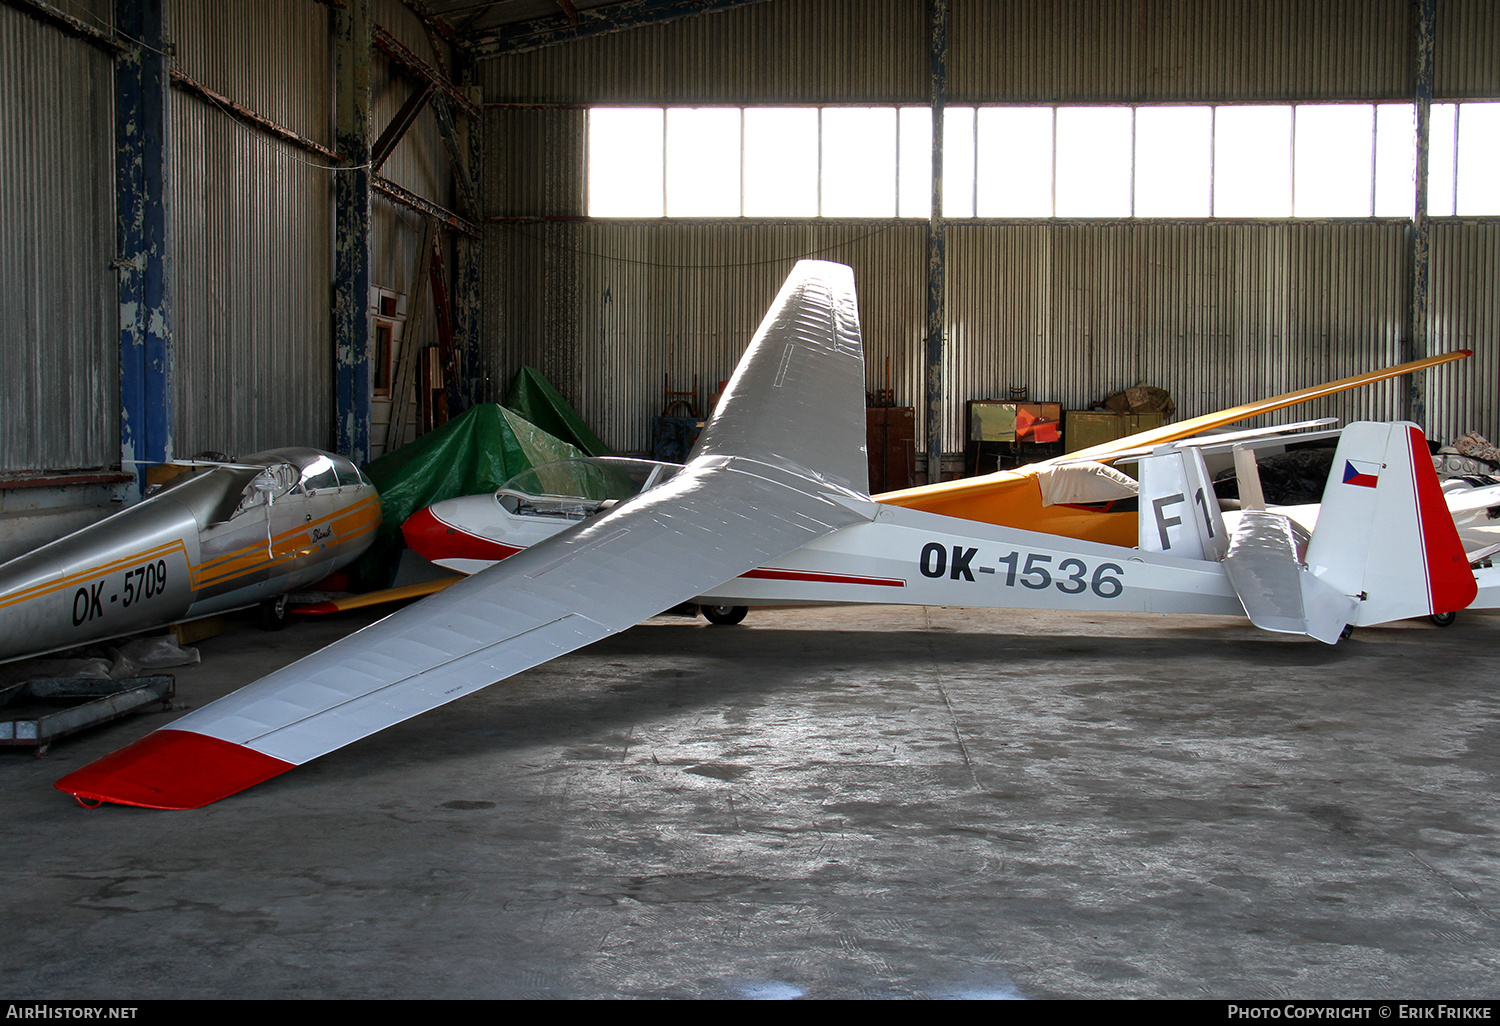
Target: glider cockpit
x=578, y=488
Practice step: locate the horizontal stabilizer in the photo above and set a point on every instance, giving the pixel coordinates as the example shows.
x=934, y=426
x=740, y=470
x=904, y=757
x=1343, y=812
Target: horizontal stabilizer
x=1277, y=592
x=1473, y=500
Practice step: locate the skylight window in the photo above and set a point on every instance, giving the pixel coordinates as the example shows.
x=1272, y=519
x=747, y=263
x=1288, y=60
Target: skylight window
x=1253, y=162
x=625, y=162
x=1015, y=161
x=1264, y=161
x=1478, y=159
x=859, y=162
x=1335, y=145
x=1174, y=161
x=1093, y=162
x=781, y=162
x=703, y=162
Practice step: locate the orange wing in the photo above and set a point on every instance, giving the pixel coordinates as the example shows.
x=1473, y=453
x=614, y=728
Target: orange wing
x=1013, y=498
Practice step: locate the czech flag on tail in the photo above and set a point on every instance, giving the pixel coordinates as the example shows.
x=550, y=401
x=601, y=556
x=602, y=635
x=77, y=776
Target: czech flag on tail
x=1358, y=472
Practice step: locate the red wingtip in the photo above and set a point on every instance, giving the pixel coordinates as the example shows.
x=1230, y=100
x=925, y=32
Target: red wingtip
x=172, y=769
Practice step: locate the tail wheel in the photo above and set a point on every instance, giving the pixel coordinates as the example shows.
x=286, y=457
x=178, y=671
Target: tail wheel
x=724, y=616
x=274, y=614
x=1443, y=619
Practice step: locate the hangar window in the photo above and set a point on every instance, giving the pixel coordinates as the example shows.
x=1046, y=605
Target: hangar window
x=1276, y=161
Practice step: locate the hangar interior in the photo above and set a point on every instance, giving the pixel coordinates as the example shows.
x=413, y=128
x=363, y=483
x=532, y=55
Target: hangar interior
x=218, y=218
x=279, y=162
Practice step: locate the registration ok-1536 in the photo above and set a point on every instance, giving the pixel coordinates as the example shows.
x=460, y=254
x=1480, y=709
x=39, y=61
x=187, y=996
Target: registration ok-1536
x=1034, y=570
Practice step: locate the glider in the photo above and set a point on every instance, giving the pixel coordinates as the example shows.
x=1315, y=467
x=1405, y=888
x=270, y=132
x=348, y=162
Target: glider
x=776, y=495
x=235, y=535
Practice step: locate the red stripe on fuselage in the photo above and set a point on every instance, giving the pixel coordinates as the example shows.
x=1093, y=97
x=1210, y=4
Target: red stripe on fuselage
x=772, y=574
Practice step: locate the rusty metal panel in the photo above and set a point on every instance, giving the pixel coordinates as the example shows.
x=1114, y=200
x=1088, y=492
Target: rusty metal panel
x=537, y=161
x=1017, y=51
x=1217, y=313
x=1179, y=50
x=251, y=273
x=270, y=55
x=825, y=51
x=59, y=337
x=420, y=162
x=607, y=309
x=1467, y=39
x=1464, y=313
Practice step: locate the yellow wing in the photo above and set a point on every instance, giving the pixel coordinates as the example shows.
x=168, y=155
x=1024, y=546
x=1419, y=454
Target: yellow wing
x=1013, y=498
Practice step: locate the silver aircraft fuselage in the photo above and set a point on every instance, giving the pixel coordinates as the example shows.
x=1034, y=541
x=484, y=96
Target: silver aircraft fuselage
x=207, y=542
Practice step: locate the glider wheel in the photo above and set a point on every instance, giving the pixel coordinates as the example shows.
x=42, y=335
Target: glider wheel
x=274, y=614
x=1443, y=619
x=1347, y=632
x=725, y=616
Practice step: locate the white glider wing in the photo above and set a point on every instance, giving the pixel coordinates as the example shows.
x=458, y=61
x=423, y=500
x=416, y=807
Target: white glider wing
x=772, y=472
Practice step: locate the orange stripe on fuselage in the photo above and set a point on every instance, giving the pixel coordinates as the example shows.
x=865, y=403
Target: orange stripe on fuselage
x=249, y=560
x=214, y=571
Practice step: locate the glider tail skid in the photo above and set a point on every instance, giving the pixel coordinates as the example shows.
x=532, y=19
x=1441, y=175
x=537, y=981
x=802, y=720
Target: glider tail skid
x=770, y=475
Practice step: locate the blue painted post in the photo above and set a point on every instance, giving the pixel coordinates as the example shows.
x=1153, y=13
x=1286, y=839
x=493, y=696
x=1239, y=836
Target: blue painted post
x=1418, y=344
x=351, y=221
x=936, y=243
x=143, y=208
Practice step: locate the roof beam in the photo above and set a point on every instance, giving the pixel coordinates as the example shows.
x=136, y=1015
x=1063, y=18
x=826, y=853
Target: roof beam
x=404, y=58
x=519, y=37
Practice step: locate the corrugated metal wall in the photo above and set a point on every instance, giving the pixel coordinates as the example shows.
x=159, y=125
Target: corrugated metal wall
x=1178, y=50
x=252, y=218
x=825, y=51
x=252, y=330
x=1218, y=312
x=1208, y=311
x=419, y=164
x=605, y=310
x=1465, y=314
x=59, y=336
x=843, y=51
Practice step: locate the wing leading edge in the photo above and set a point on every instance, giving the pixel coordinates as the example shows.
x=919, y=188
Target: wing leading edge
x=770, y=476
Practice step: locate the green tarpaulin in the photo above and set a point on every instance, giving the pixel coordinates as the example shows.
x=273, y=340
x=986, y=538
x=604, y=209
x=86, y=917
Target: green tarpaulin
x=477, y=452
x=533, y=398
x=474, y=453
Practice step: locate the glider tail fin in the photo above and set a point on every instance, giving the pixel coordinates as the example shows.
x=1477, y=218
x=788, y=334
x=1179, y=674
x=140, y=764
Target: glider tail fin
x=1384, y=534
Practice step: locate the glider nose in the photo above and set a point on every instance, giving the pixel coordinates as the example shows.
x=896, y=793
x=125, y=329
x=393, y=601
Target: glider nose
x=434, y=539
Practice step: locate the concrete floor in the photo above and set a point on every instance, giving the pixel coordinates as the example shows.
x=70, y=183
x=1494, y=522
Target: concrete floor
x=826, y=803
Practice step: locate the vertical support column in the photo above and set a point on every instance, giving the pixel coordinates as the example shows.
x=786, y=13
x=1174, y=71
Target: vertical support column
x=468, y=300
x=936, y=243
x=351, y=229
x=143, y=206
x=1418, y=344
